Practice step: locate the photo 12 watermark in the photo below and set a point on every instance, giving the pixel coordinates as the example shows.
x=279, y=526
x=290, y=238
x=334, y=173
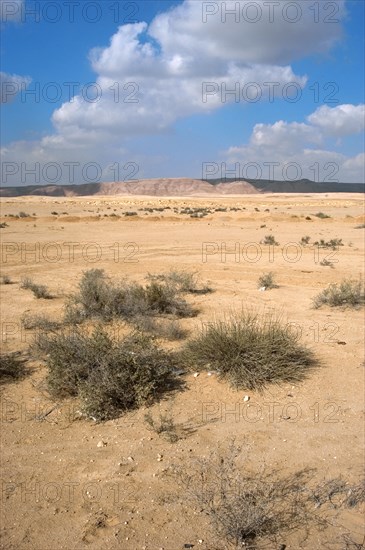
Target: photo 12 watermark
x=70, y=11
x=51, y=173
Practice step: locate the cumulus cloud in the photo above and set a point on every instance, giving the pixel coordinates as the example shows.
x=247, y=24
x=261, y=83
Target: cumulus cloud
x=251, y=32
x=186, y=62
x=11, y=85
x=299, y=150
x=339, y=121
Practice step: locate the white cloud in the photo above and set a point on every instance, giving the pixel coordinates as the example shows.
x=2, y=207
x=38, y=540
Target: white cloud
x=294, y=143
x=339, y=121
x=250, y=32
x=151, y=76
x=11, y=85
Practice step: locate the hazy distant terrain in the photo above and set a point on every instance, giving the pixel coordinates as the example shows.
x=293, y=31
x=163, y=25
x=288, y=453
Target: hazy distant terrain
x=183, y=187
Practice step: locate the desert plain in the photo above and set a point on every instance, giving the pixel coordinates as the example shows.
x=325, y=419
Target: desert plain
x=69, y=482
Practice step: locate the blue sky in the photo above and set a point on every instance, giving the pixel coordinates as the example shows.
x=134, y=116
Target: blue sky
x=162, y=57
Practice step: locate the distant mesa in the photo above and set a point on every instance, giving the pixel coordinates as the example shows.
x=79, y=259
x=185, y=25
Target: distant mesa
x=182, y=187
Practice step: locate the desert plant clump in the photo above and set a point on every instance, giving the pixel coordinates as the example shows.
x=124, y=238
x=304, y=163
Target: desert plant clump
x=39, y=291
x=347, y=293
x=249, y=509
x=361, y=226
x=3, y=225
x=326, y=263
x=321, y=215
x=6, y=280
x=11, y=368
x=270, y=239
x=250, y=351
x=38, y=321
x=165, y=426
x=267, y=281
x=305, y=240
x=333, y=243
x=98, y=296
x=183, y=281
x=168, y=329
x=23, y=215
x=109, y=375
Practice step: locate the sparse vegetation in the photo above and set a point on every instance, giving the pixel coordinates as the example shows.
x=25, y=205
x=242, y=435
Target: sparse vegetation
x=3, y=225
x=305, y=240
x=267, y=281
x=321, y=215
x=326, y=263
x=333, y=243
x=183, y=281
x=110, y=376
x=361, y=226
x=98, y=296
x=39, y=291
x=38, y=321
x=257, y=509
x=165, y=426
x=250, y=351
x=270, y=239
x=11, y=368
x=347, y=293
x=6, y=280
x=23, y=215
x=169, y=329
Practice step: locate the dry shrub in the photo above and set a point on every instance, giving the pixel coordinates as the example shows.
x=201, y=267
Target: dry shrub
x=250, y=351
x=258, y=509
x=110, y=376
x=347, y=293
x=11, y=368
x=98, y=296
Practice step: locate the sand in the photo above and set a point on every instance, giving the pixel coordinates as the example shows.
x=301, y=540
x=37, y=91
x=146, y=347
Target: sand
x=60, y=490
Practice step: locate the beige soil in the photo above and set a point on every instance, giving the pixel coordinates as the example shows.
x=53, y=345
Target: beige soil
x=59, y=489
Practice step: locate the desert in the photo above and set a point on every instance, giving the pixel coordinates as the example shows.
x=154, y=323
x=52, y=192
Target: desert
x=131, y=481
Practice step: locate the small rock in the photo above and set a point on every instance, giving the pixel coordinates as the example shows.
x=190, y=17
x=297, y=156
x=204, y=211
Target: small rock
x=196, y=374
x=102, y=443
x=262, y=289
x=130, y=458
x=246, y=398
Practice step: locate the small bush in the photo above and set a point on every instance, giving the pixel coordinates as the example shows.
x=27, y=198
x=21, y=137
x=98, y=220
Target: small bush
x=326, y=263
x=11, y=368
x=3, y=225
x=347, y=293
x=183, y=281
x=305, y=240
x=321, y=215
x=270, y=239
x=308, y=218
x=267, y=281
x=165, y=426
x=334, y=244
x=39, y=291
x=361, y=226
x=54, y=213
x=5, y=280
x=250, y=351
x=110, y=376
x=169, y=329
x=98, y=296
x=247, y=508
x=23, y=215
x=38, y=321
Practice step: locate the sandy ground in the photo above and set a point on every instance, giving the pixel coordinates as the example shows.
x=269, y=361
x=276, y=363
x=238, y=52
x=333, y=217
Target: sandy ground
x=60, y=490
